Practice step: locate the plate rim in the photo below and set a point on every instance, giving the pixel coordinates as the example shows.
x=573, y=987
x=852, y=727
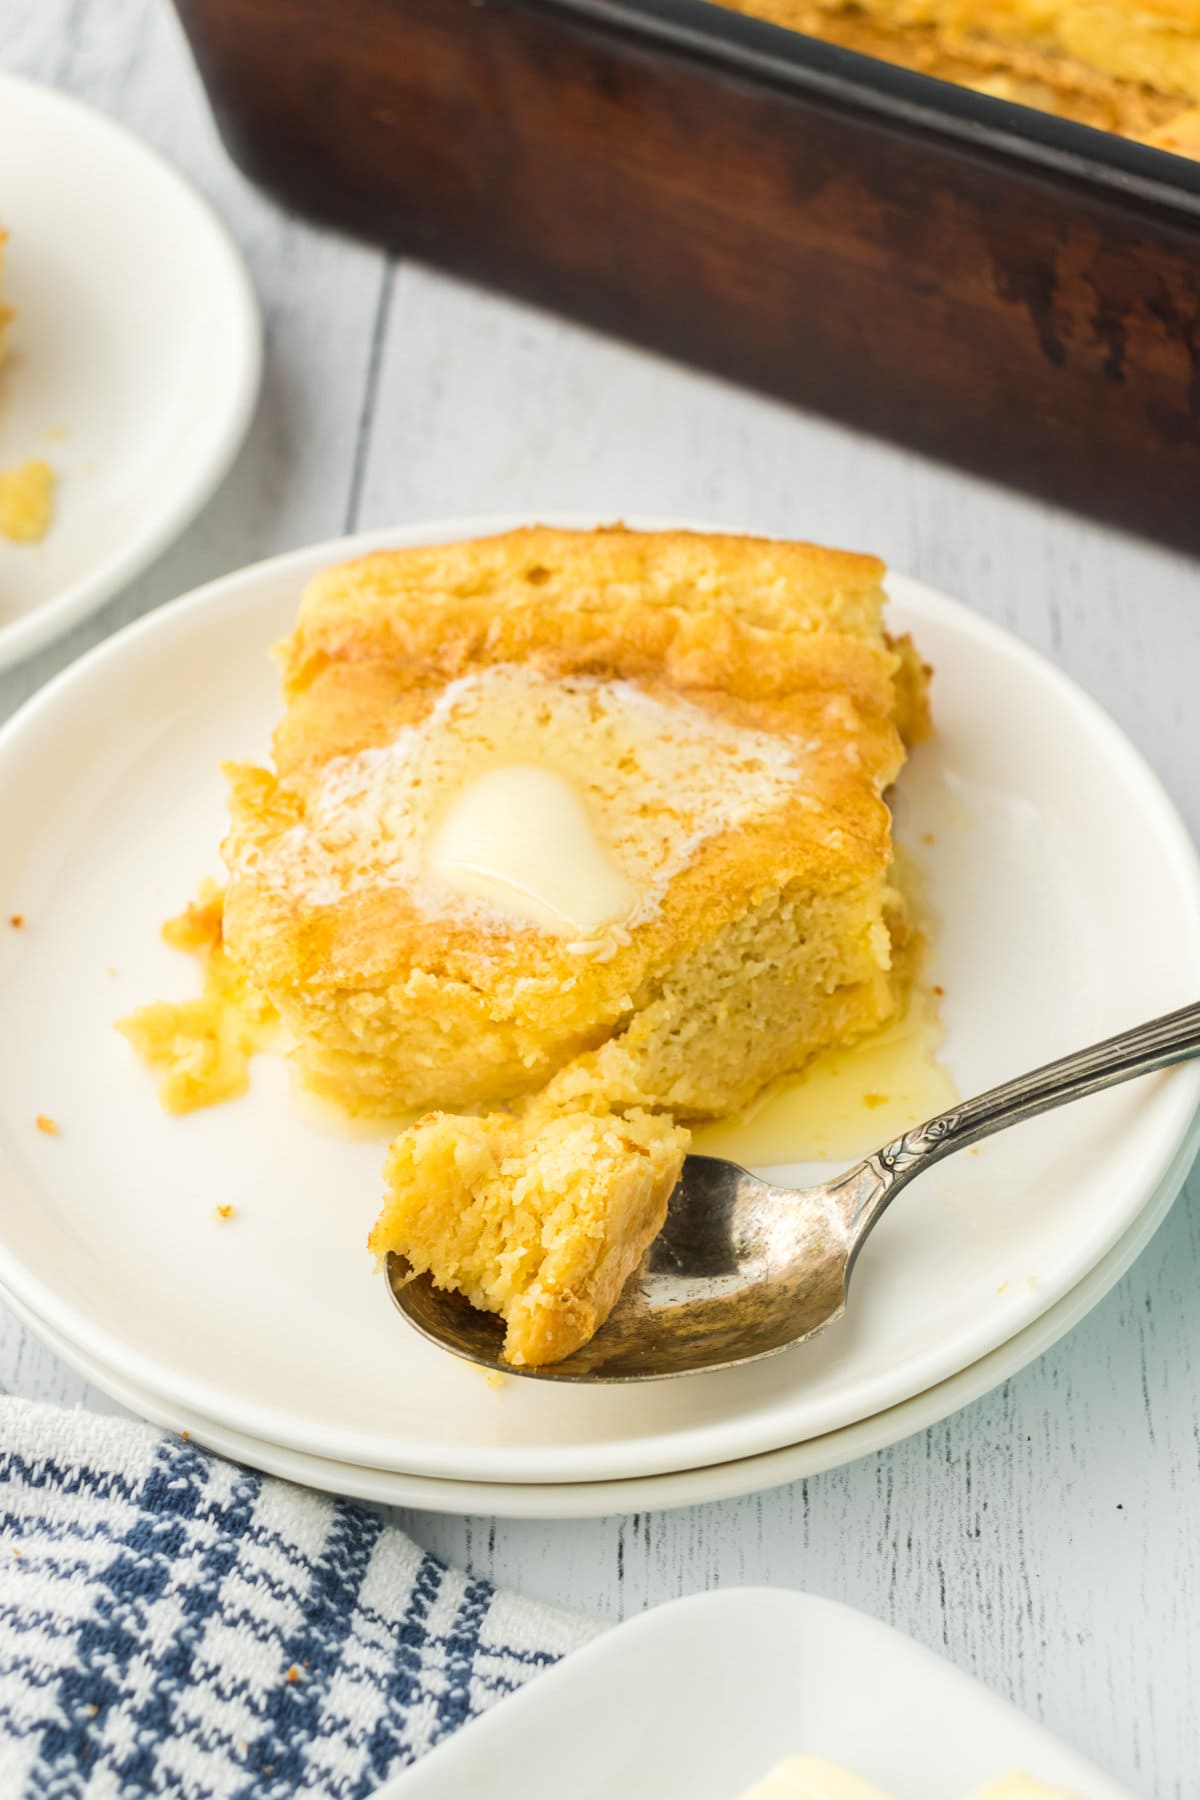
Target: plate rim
x=1179, y=1095
x=49, y=620
x=715, y=1482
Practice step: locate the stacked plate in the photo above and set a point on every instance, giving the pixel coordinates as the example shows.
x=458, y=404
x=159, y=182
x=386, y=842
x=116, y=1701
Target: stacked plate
x=1069, y=908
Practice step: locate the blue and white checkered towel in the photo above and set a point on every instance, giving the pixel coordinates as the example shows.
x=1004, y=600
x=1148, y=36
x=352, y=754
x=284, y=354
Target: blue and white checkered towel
x=171, y=1624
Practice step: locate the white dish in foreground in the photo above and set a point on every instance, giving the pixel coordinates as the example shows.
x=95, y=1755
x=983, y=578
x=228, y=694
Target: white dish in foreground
x=133, y=362
x=687, y=1487
x=755, y=1674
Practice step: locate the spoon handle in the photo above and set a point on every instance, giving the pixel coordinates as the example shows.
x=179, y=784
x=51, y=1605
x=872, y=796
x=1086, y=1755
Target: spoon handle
x=1171, y=1039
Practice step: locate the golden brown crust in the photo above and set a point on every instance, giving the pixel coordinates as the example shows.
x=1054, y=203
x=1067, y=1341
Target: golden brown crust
x=483, y=598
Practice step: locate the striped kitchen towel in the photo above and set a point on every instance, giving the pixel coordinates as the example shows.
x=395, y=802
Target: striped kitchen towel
x=172, y=1624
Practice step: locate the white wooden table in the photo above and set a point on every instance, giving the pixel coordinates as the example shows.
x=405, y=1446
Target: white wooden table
x=1046, y=1538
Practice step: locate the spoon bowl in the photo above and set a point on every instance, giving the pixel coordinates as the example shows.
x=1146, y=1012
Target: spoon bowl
x=743, y=1269
x=740, y=1270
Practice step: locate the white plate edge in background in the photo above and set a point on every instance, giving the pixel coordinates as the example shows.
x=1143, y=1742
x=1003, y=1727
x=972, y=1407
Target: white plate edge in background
x=242, y=357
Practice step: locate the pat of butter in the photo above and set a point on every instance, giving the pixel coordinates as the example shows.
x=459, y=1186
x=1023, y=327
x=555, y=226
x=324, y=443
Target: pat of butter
x=519, y=838
x=812, y=1778
x=1020, y=1787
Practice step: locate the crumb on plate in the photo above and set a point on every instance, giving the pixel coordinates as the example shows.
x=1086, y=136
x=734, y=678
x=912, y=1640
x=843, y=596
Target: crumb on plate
x=46, y=1125
x=201, y=1048
x=26, y=500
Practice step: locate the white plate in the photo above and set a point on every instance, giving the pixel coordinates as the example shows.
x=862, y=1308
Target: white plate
x=687, y=1487
x=755, y=1674
x=136, y=344
x=1068, y=893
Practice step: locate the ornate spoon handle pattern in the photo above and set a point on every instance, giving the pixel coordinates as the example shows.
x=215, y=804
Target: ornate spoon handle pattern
x=1171, y=1039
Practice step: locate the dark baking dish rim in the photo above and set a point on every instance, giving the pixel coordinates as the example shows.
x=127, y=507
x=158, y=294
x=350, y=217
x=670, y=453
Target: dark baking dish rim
x=977, y=124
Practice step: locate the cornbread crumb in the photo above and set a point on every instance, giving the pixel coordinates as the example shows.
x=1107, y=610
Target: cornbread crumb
x=16, y=920
x=875, y=1100
x=185, y=1435
x=495, y=1379
x=26, y=500
x=46, y=1125
x=202, y=1048
x=223, y=1212
x=293, y=1674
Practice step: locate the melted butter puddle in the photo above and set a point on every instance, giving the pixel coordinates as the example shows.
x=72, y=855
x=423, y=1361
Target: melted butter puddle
x=846, y=1102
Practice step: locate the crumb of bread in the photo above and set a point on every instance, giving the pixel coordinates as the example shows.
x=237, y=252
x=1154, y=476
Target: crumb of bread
x=201, y=1048
x=46, y=1125
x=16, y=920
x=223, y=1212
x=26, y=501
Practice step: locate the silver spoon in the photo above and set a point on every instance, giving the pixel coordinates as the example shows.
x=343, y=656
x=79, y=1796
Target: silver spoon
x=742, y=1269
